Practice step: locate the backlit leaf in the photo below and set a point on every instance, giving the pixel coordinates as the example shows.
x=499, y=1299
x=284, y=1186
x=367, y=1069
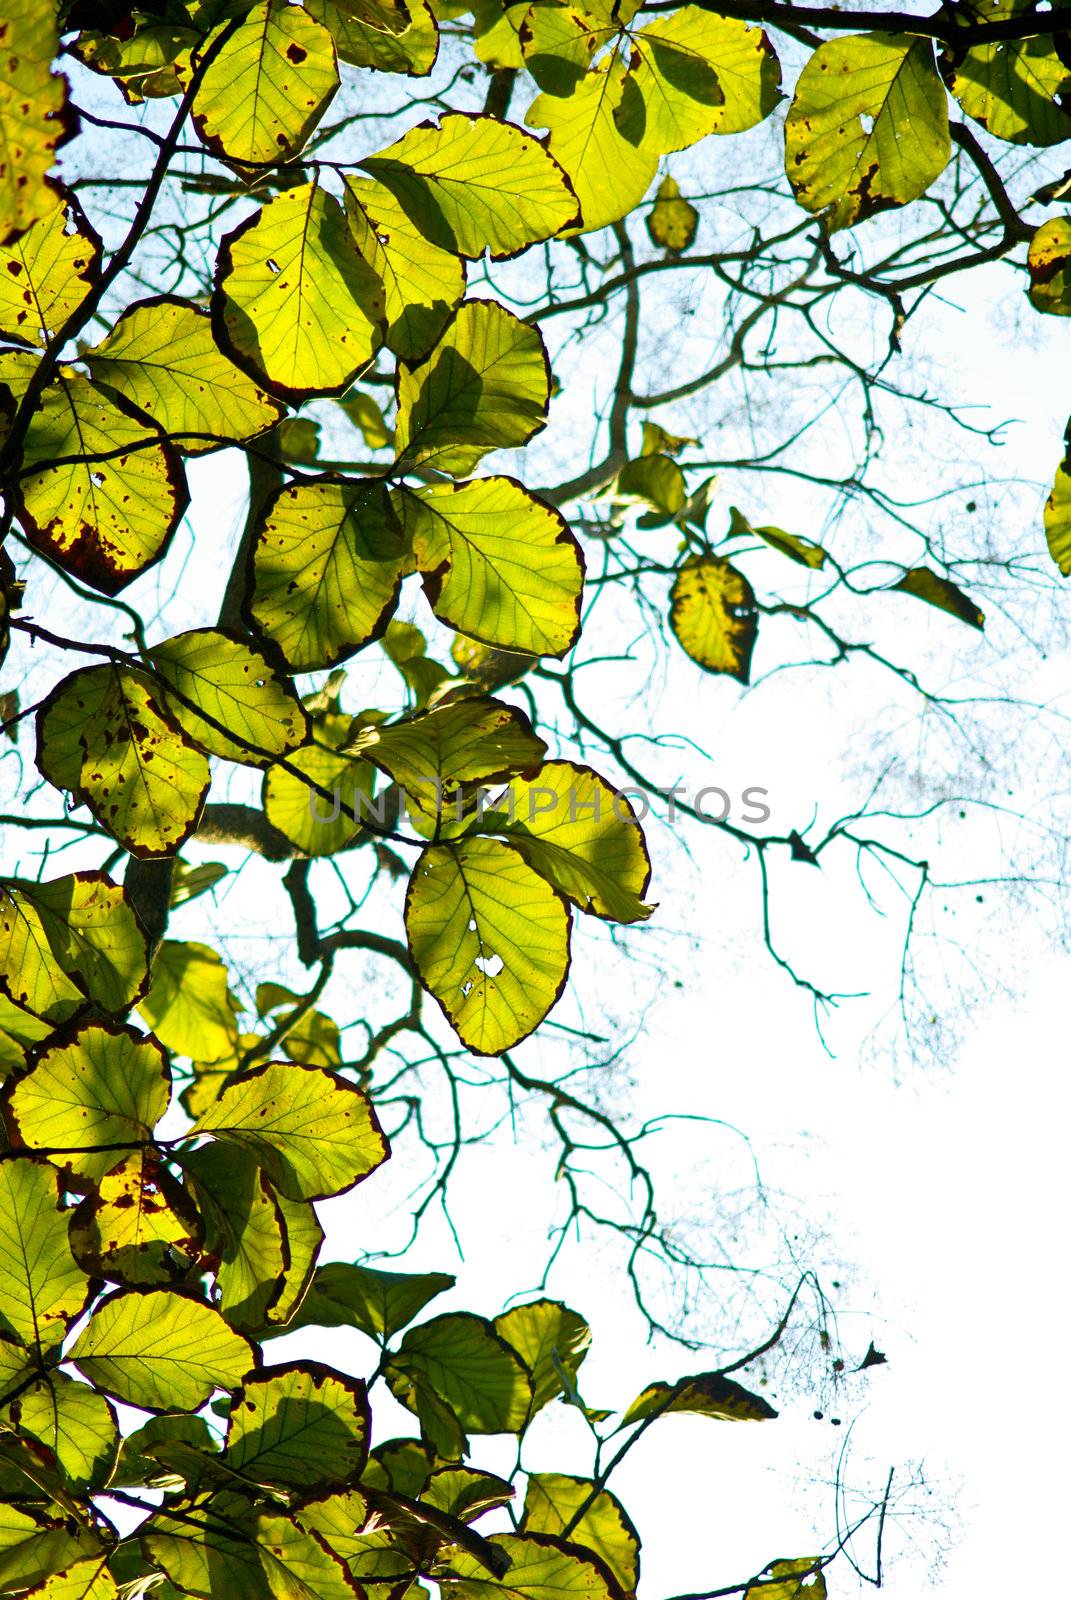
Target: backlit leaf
x=1058, y=517
x=303, y=1425
x=868, y=127
x=32, y=1548
x=800, y=1579
x=160, y=1350
x=421, y=282
x=327, y=565
x=712, y=614
x=75, y=1422
x=551, y=1503
x=47, y=271
x=140, y=1227
x=595, y=130
x=490, y=939
x=188, y=1005
x=295, y=305
x=473, y=183
x=363, y=39
x=802, y=551
x=32, y=102
x=939, y=592
x=700, y=74
x=42, y=1287
x=317, y=826
x=235, y=685
x=656, y=479
x=379, y=1303
x=434, y=756
x=244, y=1232
x=312, y=1133
x=469, y=1367
x=672, y=220
x=161, y=355
x=550, y=1339
x=70, y=940
x=1049, y=262
x=298, y=1565
x=541, y=1567
x=1015, y=88
x=146, y=64
x=707, y=1394
x=85, y=1580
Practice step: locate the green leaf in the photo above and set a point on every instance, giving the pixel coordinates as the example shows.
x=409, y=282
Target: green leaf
x=1058, y=515
x=379, y=1303
x=102, y=493
x=68, y=941
x=655, y=479
x=105, y=734
x=313, y=824
x=490, y=939
x=422, y=283
x=140, y=1227
x=868, y=127
x=32, y=124
x=161, y=356
x=939, y=592
x=212, y=1555
x=474, y=184
x=32, y=1548
x=469, y=1367
x=160, y=1350
x=16, y=1365
x=802, y=551
x=145, y=65
x=364, y=41
x=700, y=74
x=498, y=564
x=42, y=1288
x=551, y=1503
x=582, y=836
x=105, y=1085
x=46, y=272
x=265, y=90
x=801, y=1579
x=299, y=1565
x=597, y=133
x=244, y=1233
x=1049, y=261
x=302, y=1426
x=464, y=1493
x=327, y=565
x=362, y=410
x=1015, y=88
x=551, y=1340
x=188, y=882
x=488, y=669
x=672, y=221
x=402, y=1465
x=189, y=1005
x=541, y=1568
x=295, y=305
x=235, y=685
x=712, y=615
x=437, y=756
x=84, y=1580
x=312, y=1133
x=485, y=386
x=75, y=1423
x=707, y=1394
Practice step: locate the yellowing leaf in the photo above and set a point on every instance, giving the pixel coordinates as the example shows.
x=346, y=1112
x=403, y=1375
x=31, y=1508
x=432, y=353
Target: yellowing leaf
x=498, y=563
x=801, y=1579
x=466, y=1364
x=314, y=825
x=365, y=38
x=1049, y=262
x=939, y=592
x=75, y=1422
x=433, y=757
x=162, y=357
x=268, y=86
x=712, y=614
x=33, y=1548
x=104, y=733
x=106, y=1085
x=1058, y=517
x=139, y=1227
x=421, y=282
x=582, y=836
x=1016, y=88
x=327, y=565
x=302, y=1425
x=85, y=1580
x=70, y=940
x=550, y=1339
x=552, y=1501
x=295, y=305
x=708, y=1394
x=147, y=65
x=234, y=684
x=107, y=507
x=597, y=133
x=699, y=74
x=296, y=1563
x=312, y=1133
x=160, y=1350
x=32, y=103
x=188, y=1005
x=490, y=939
x=541, y=1567
x=672, y=220
x=868, y=127
x=485, y=386
x=244, y=1233
x=474, y=184
x=46, y=272
x=42, y=1287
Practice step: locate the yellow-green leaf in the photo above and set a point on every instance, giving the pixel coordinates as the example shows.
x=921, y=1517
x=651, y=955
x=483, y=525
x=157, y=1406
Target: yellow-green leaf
x=238, y=687
x=68, y=941
x=84, y=1580
x=1058, y=517
x=313, y=1134
x=161, y=355
x=551, y=1341
x=32, y=103
x=498, y=563
x=140, y=1227
x=802, y=551
x=1016, y=88
x=315, y=825
x=489, y=669
x=379, y=1303
x=295, y=305
x=42, y=1287
x=104, y=733
x=244, y=1233
x=46, y=272
x=421, y=282
x=800, y=1579
x=160, y=1350
x=147, y=65
x=107, y=507
x=268, y=86
x=470, y=1368
x=189, y=1005
x=473, y=183
x=327, y=565
x=298, y=1565
x=485, y=386
x=712, y=614
x=551, y=1503
x=868, y=127
x=699, y=74
x=490, y=939
x=365, y=36
x=656, y=479
x=541, y=1567
x=1049, y=261
x=707, y=1394
x=33, y=1548
x=672, y=221
x=434, y=757
x=75, y=1423
x=303, y=1426
x=939, y=592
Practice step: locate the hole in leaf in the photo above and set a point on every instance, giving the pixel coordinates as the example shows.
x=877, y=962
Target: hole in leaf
x=867, y=120
x=273, y=265
x=490, y=966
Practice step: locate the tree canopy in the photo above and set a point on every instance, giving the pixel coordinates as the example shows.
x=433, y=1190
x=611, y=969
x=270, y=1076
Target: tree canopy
x=437, y=283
